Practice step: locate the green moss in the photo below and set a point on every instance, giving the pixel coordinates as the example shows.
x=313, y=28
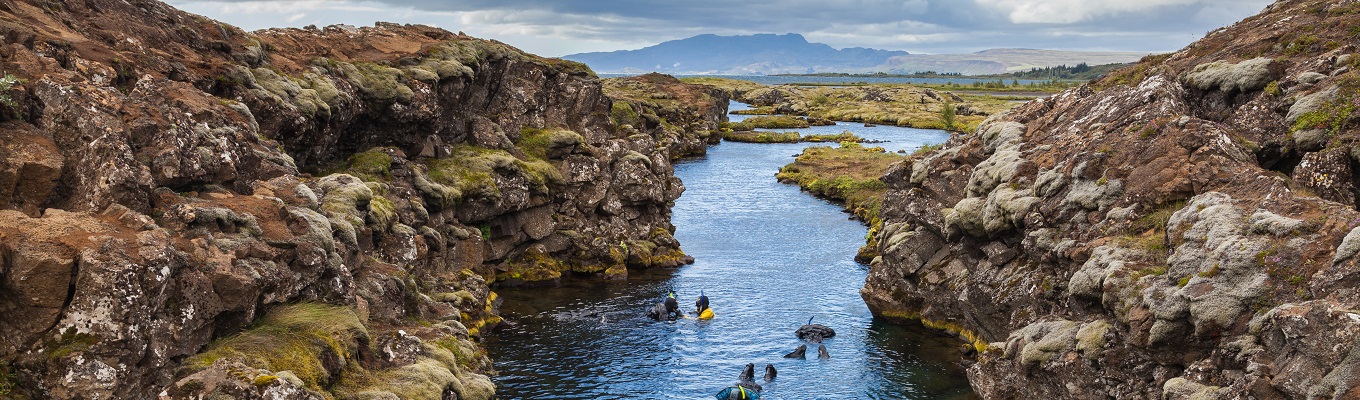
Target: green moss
x=979, y=343
x=374, y=165
x=382, y=211
x=7, y=381
x=376, y=82
x=1273, y=88
x=770, y=122
x=541, y=144
x=533, y=266
x=848, y=174
x=472, y=171
x=843, y=137
x=71, y=341
x=762, y=137
x=264, y=380
x=622, y=113
x=291, y=338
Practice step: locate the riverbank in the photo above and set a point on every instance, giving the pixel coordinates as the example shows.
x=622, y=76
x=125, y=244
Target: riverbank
x=848, y=175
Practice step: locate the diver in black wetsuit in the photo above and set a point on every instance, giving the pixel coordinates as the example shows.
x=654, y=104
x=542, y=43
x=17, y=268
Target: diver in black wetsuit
x=668, y=310
x=672, y=306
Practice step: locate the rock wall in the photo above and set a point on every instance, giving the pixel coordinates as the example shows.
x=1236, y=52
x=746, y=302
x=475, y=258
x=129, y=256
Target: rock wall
x=190, y=210
x=1183, y=228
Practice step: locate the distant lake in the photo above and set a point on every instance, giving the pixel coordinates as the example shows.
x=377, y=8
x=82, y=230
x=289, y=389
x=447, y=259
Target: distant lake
x=842, y=80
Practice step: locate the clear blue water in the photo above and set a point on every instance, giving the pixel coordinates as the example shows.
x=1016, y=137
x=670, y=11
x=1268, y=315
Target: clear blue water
x=769, y=257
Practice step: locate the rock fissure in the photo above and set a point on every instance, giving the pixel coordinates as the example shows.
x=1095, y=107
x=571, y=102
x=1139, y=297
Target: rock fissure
x=169, y=211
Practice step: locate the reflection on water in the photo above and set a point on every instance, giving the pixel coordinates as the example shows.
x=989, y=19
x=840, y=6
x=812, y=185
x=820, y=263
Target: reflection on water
x=769, y=257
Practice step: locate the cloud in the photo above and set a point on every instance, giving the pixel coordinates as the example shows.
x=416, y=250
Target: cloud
x=560, y=27
x=1073, y=11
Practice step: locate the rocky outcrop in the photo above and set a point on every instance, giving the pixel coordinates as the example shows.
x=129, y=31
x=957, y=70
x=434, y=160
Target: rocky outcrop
x=682, y=117
x=190, y=210
x=1179, y=229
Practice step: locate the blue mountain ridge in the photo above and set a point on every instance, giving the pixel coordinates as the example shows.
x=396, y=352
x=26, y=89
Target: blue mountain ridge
x=749, y=54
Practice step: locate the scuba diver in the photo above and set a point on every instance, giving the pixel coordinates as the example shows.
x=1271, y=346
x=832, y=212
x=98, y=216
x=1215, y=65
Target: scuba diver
x=672, y=306
x=669, y=309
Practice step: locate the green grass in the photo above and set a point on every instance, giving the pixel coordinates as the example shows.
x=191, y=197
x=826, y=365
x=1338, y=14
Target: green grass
x=771, y=122
x=762, y=137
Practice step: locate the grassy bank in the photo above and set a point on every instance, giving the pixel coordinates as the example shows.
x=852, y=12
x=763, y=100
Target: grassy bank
x=848, y=175
x=790, y=137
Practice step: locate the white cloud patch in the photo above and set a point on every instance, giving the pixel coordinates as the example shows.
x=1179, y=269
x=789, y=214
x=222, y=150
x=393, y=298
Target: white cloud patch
x=1072, y=11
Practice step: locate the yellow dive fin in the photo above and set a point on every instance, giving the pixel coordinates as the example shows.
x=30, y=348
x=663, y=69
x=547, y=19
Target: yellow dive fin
x=707, y=314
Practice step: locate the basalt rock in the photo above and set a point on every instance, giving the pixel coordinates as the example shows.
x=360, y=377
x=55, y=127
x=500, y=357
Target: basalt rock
x=1183, y=228
x=174, y=192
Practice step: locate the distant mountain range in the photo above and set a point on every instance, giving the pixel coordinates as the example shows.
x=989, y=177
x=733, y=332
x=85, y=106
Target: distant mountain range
x=765, y=54
x=736, y=55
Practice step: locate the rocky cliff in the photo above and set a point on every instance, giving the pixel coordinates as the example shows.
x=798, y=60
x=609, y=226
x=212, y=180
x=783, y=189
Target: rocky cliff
x=188, y=210
x=1184, y=228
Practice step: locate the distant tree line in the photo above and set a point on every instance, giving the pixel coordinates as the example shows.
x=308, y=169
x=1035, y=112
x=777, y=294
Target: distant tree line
x=1080, y=71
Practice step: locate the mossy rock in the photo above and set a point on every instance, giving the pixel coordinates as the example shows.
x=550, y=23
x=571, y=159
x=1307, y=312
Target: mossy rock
x=549, y=144
x=377, y=82
x=374, y=165
x=471, y=171
x=302, y=338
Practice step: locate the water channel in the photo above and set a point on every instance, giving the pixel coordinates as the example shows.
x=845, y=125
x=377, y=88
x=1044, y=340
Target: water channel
x=769, y=256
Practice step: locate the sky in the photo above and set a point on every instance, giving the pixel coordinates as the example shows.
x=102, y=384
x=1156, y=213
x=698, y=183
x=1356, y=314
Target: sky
x=556, y=28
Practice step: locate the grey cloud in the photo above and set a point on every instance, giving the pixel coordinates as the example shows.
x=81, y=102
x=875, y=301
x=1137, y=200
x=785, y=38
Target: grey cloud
x=931, y=26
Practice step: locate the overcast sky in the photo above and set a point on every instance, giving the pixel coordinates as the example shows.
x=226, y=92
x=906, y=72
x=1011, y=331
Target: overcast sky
x=560, y=27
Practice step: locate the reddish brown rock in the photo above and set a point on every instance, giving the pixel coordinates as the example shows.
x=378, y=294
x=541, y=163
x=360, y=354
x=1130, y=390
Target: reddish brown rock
x=169, y=183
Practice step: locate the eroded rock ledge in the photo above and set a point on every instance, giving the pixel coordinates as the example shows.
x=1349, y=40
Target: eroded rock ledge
x=1184, y=228
x=189, y=209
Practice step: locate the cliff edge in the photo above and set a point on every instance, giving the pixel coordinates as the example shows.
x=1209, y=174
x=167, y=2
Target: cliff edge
x=190, y=210
x=1183, y=228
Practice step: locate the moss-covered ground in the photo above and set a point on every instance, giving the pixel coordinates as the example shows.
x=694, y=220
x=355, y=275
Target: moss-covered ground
x=848, y=174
